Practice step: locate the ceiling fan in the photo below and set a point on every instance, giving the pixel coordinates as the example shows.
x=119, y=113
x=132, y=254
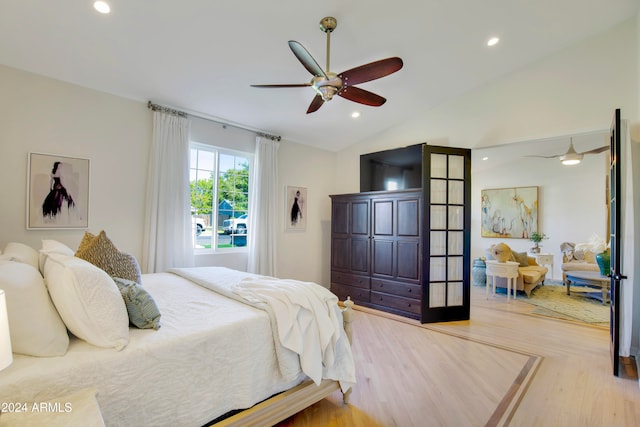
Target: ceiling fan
x=326, y=84
x=572, y=157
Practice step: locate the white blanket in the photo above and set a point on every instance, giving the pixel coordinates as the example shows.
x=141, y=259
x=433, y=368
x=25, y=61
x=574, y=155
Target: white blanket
x=212, y=355
x=307, y=319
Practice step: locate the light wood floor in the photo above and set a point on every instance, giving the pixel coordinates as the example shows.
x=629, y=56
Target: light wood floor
x=506, y=366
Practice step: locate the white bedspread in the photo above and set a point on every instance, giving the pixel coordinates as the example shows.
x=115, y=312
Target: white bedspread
x=211, y=355
x=306, y=318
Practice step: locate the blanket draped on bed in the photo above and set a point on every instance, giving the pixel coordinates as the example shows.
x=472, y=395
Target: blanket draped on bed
x=305, y=318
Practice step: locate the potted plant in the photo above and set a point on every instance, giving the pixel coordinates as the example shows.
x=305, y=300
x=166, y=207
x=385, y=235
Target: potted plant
x=536, y=238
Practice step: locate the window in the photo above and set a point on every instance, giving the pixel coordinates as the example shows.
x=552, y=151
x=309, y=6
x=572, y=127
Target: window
x=219, y=180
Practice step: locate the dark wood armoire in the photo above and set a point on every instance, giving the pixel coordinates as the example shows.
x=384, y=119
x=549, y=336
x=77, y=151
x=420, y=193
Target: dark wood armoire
x=407, y=252
x=376, y=250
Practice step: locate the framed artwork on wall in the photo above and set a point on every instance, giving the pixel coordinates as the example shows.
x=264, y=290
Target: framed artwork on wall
x=510, y=212
x=57, y=192
x=296, y=208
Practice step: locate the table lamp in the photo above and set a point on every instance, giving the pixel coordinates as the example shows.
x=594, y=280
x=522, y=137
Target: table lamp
x=6, y=357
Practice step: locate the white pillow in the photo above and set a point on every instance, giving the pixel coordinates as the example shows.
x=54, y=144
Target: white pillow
x=20, y=252
x=34, y=324
x=88, y=301
x=52, y=246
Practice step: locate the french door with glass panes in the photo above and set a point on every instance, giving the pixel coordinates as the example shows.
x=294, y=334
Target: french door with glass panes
x=446, y=175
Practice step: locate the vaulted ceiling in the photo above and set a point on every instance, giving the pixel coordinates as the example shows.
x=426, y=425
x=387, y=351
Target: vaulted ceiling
x=203, y=55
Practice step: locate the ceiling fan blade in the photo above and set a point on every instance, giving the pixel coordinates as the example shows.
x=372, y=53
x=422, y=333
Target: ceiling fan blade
x=597, y=150
x=544, y=157
x=361, y=96
x=306, y=59
x=284, y=85
x=371, y=71
x=315, y=105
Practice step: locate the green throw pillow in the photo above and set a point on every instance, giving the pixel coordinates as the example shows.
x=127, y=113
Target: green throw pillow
x=142, y=309
x=522, y=258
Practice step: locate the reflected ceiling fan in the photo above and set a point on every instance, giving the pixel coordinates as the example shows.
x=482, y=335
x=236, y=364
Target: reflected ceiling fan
x=572, y=157
x=327, y=84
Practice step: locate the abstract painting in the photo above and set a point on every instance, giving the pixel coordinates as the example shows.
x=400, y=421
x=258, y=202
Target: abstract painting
x=510, y=212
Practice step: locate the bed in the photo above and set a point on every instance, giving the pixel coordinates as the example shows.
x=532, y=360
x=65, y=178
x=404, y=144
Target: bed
x=223, y=347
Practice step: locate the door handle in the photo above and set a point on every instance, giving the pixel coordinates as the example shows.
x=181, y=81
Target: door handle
x=618, y=276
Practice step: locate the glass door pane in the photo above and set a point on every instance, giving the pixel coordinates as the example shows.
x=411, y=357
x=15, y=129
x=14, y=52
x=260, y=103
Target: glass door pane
x=448, y=202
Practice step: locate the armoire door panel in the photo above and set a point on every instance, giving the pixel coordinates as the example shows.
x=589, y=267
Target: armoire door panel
x=360, y=218
x=409, y=217
x=359, y=255
x=383, y=217
x=340, y=218
x=382, y=257
x=340, y=253
x=408, y=260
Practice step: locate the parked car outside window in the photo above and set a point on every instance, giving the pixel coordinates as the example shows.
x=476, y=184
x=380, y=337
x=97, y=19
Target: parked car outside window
x=235, y=225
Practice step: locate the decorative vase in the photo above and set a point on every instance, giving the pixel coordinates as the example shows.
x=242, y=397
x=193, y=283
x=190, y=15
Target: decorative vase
x=603, y=259
x=535, y=249
x=479, y=272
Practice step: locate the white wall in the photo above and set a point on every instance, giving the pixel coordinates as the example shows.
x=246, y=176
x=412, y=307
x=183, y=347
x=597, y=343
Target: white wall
x=47, y=116
x=305, y=255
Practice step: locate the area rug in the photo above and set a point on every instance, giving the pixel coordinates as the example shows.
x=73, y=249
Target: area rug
x=553, y=301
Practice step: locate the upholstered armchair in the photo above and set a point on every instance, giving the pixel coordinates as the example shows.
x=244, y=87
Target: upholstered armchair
x=530, y=274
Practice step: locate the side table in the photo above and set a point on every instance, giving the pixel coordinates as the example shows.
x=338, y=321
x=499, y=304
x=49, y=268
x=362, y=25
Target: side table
x=508, y=270
x=543, y=259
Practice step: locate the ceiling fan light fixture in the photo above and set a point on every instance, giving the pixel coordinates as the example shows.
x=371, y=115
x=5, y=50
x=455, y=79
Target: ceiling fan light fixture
x=327, y=92
x=570, y=159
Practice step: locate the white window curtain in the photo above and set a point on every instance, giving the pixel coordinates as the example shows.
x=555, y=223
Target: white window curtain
x=167, y=230
x=263, y=209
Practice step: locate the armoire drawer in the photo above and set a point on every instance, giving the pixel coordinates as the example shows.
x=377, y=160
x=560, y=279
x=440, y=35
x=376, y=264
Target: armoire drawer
x=399, y=303
x=358, y=295
x=350, y=280
x=407, y=290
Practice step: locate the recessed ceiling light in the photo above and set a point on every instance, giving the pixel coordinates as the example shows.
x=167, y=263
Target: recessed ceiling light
x=355, y=114
x=102, y=7
x=493, y=41
x=485, y=158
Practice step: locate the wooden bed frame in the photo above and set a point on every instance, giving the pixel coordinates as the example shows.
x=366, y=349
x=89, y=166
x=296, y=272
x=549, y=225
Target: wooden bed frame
x=292, y=401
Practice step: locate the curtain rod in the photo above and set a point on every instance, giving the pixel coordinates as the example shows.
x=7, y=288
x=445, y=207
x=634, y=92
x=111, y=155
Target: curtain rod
x=156, y=107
